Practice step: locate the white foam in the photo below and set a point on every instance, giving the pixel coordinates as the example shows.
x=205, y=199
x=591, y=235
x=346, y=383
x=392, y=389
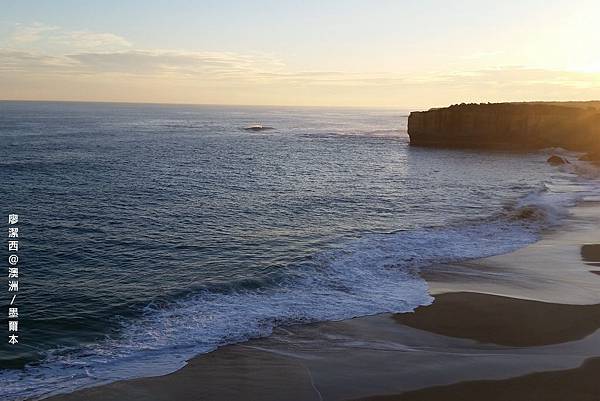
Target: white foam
x=372, y=275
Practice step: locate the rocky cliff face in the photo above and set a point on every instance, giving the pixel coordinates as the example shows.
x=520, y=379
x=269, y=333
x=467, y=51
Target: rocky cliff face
x=574, y=126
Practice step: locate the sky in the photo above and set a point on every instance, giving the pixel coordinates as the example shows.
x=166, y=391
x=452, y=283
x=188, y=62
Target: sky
x=377, y=53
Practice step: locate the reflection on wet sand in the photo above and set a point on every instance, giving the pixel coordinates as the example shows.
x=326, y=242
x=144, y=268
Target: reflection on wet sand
x=590, y=253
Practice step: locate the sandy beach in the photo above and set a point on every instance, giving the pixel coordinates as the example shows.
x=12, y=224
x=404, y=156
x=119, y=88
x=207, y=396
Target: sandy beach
x=520, y=326
x=297, y=201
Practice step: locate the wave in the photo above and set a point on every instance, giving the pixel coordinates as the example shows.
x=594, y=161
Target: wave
x=549, y=204
x=543, y=206
x=375, y=274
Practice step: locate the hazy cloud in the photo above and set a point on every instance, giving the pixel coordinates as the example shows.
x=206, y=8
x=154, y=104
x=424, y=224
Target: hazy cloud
x=522, y=76
x=37, y=56
x=91, y=40
x=30, y=33
x=256, y=68
x=42, y=36
x=156, y=63
x=27, y=63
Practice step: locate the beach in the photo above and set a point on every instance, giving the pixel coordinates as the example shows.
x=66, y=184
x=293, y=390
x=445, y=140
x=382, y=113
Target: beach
x=518, y=326
x=300, y=201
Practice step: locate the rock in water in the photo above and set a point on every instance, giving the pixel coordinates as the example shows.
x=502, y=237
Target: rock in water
x=257, y=127
x=557, y=160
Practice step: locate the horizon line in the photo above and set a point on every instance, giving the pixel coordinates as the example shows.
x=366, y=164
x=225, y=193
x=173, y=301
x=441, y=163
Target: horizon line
x=400, y=108
x=403, y=108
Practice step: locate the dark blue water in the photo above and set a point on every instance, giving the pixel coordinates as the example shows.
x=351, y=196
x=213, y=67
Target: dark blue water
x=150, y=233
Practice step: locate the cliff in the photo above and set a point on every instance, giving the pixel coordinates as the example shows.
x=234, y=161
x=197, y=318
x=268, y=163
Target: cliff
x=570, y=125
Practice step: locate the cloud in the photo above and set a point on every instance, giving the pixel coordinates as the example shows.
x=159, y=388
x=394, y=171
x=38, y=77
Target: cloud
x=51, y=62
x=38, y=48
x=180, y=63
x=522, y=76
x=227, y=67
x=91, y=40
x=30, y=33
x=214, y=68
x=42, y=36
x=27, y=63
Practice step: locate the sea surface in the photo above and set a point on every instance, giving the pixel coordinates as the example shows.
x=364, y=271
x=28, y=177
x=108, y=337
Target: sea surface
x=152, y=233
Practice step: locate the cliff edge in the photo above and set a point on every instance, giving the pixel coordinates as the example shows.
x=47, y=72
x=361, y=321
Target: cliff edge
x=569, y=125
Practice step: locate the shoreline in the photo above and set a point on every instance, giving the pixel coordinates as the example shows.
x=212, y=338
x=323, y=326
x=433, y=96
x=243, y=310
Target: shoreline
x=525, y=317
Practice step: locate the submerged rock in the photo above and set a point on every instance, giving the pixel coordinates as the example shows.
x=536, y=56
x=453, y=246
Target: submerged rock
x=257, y=127
x=557, y=160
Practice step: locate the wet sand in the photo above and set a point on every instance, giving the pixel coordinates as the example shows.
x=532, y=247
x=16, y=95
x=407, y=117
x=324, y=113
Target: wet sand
x=590, y=254
x=521, y=326
x=504, y=321
x=380, y=355
x=580, y=384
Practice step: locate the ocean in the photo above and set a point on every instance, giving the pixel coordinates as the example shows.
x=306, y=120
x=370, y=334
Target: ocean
x=152, y=233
